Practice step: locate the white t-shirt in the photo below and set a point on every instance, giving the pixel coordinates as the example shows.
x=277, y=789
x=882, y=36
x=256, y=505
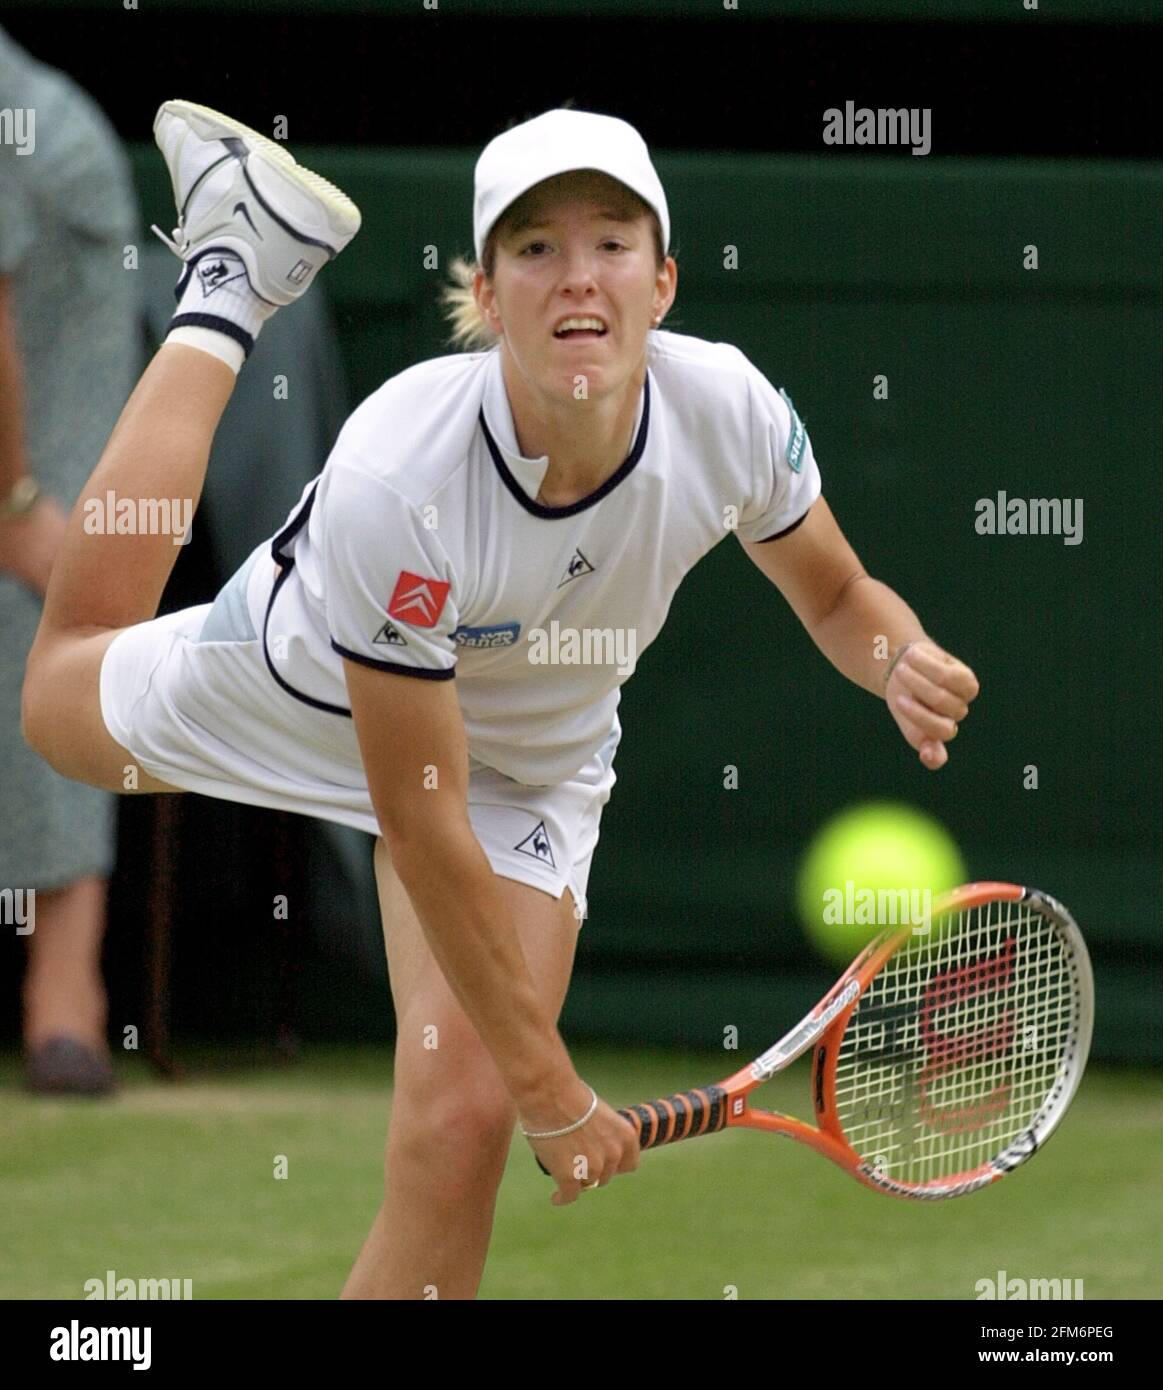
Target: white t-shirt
x=420, y=548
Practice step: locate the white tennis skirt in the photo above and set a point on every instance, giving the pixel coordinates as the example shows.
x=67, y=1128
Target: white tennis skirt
x=191, y=697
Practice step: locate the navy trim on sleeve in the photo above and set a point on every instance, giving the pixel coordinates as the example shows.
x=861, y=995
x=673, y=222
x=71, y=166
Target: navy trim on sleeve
x=779, y=535
x=394, y=665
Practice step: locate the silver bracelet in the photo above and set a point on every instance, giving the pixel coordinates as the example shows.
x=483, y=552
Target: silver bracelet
x=569, y=1129
x=900, y=651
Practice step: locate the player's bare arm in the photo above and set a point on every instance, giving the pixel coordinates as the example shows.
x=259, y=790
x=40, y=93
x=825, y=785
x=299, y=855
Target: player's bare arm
x=860, y=623
x=414, y=749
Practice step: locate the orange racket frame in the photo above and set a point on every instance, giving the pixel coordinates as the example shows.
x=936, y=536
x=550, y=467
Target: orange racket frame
x=725, y=1104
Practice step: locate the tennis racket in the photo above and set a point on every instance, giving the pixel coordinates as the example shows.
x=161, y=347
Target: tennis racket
x=941, y=1061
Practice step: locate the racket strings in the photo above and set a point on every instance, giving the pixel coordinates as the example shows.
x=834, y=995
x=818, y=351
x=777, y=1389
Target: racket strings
x=957, y=1043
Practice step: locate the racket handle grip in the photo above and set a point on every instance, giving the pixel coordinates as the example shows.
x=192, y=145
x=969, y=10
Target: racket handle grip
x=685, y=1115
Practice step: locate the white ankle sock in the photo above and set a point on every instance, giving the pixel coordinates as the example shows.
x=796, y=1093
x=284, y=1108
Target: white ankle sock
x=217, y=309
x=216, y=344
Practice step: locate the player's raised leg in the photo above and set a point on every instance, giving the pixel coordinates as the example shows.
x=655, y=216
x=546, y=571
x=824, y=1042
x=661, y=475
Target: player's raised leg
x=253, y=229
x=452, y=1118
x=102, y=584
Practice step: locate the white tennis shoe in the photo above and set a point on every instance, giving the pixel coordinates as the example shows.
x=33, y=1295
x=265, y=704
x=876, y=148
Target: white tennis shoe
x=238, y=192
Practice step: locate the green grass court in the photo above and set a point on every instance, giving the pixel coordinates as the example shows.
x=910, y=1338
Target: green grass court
x=175, y=1181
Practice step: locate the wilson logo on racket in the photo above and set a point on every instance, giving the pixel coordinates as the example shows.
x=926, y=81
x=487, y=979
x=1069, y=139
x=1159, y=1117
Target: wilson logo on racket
x=971, y=993
x=418, y=600
x=940, y=1063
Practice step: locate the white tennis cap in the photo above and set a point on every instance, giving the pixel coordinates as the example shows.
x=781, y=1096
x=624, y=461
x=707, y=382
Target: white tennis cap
x=558, y=143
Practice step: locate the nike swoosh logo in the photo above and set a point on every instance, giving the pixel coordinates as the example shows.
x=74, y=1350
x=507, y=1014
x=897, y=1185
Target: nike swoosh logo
x=241, y=207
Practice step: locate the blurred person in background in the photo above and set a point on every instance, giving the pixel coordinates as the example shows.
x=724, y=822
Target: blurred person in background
x=70, y=351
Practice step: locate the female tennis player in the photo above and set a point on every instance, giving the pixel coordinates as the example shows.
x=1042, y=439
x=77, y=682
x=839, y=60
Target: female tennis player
x=516, y=517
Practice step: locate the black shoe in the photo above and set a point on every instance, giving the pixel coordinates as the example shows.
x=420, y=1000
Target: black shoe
x=67, y=1067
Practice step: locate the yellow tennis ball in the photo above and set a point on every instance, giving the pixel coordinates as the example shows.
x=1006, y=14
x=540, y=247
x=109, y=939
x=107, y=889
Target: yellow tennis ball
x=879, y=864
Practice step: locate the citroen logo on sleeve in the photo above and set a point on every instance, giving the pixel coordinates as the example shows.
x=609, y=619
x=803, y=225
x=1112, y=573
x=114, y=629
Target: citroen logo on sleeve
x=418, y=600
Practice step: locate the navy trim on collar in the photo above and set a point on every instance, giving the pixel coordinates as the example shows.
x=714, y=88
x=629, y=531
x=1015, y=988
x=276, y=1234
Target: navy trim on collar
x=539, y=508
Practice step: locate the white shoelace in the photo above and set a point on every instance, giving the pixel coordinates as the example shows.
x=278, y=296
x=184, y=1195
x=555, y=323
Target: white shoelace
x=169, y=241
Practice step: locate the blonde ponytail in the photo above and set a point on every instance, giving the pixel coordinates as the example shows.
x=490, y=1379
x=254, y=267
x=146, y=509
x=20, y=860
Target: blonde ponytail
x=469, y=330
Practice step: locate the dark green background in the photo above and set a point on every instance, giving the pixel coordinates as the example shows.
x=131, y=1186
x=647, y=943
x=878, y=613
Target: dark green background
x=1040, y=383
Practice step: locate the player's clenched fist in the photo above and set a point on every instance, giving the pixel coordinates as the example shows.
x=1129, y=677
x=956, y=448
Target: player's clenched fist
x=929, y=692
x=589, y=1157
